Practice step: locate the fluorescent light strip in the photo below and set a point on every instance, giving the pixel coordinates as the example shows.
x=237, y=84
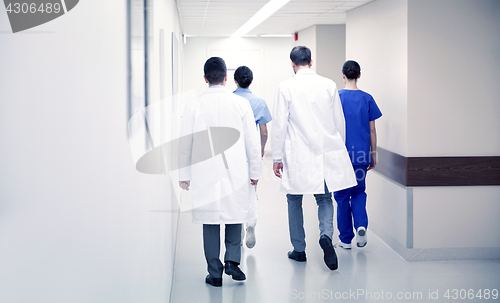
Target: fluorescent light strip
x=276, y=36
x=265, y=12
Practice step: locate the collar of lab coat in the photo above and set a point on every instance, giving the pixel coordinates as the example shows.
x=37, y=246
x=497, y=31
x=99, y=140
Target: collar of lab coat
x=304, y=71
x=217, y=89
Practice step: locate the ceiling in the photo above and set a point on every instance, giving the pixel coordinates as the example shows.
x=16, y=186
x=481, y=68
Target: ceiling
x=221, y=18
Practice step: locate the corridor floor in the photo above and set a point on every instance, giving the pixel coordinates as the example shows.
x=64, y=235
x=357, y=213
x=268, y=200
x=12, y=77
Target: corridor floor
x=374, y=273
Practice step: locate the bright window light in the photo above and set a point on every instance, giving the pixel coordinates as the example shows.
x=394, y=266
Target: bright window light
x=265, y=12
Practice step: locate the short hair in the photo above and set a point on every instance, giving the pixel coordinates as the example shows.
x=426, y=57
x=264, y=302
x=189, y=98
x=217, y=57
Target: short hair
x=351, y=69
x=215, y=70
x=244, y=76
x=300, y=55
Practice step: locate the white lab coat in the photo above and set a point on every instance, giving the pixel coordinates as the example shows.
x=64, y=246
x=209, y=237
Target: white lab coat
x=308, y=134
x=221, y=195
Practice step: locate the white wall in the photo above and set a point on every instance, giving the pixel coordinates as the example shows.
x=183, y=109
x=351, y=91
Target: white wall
x=383, y=196
x=76, y=222
x=376, y=38
x=453, y=107
x=165, y=18
x=461, y=216
x=275, y=56
x=454, y=71
x=422, y=61
x=330, y=52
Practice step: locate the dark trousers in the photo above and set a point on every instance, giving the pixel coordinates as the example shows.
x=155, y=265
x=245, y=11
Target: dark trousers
x=296, y=218
x=211, y=245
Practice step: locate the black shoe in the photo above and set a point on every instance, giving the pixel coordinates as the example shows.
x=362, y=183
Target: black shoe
x=216, y=282
x=330, y=256
x=297, y=256
x=234, y=271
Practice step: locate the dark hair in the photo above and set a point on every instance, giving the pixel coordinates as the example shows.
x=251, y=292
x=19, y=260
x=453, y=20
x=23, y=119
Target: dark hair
x=300, y=55
x=215, y=70
x=351, y=69
x=244, y=76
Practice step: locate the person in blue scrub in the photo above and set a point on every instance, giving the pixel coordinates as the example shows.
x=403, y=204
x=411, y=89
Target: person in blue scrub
x=360, y=112
x=243, y=77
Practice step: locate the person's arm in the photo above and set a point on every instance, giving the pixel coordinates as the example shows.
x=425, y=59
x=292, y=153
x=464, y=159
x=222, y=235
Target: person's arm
x=280, y=122
x=373, y=144
x=185, y=147
x=263, y=137
x=278, y=168
x=252, y=146
x=338, y=114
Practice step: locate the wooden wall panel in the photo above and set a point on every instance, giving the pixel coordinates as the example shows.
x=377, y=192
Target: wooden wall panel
x=438, y=171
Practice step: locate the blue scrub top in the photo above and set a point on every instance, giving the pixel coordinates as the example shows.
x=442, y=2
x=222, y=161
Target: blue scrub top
x=359, y=109
x=261, y=112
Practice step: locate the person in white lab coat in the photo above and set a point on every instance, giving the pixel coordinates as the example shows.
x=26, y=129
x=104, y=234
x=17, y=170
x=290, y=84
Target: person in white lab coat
x=309, y=153
x=222, y=183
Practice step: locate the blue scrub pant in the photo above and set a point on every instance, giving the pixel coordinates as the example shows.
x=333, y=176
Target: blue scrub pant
x=351, y=205
x=296, y=218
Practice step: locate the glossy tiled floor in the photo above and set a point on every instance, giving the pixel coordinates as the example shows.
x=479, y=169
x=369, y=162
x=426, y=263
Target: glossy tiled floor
x=374, y=273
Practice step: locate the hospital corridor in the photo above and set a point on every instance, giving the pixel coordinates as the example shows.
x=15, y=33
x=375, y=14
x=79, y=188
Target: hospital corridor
x=374, y=273
x=130, y=131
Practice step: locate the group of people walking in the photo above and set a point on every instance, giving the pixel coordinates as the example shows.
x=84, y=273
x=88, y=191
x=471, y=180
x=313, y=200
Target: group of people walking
x=323, y=141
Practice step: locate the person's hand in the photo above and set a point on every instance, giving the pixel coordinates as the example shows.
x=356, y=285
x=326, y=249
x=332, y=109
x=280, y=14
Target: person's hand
x=185, y=184
x=374, y=161
x=277, y=167
x=253, y=182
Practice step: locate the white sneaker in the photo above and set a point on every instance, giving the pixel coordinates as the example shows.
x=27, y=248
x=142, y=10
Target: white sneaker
x=250, y=236
x=361, y=237
x=344, y=245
